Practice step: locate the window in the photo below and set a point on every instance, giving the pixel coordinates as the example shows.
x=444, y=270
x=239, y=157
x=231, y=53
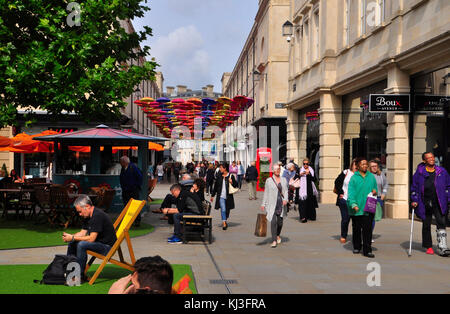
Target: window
x=316, y=40
x=362, y=17
x=305, y=42
x=347, y=22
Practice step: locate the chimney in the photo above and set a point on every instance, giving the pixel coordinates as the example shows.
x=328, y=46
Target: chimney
x=181, y=89
x=210, y=90
x=170, y=90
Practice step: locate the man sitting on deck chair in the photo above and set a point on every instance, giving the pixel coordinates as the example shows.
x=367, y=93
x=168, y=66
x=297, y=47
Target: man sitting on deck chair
x=187, y=204
x=97, y=233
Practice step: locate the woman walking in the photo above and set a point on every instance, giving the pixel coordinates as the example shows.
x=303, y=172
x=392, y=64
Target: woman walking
x=224, y=200
x=233, y=170
x=240, y=174
x=382, y=185
x=307, y=193
x=274, y=203
x=361, y=184
x=341, y=189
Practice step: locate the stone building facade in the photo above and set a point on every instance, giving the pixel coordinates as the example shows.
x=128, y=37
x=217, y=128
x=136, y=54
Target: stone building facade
x=341, y=52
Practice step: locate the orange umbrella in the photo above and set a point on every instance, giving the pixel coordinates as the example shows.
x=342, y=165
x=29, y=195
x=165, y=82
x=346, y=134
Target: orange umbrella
x=4, y=141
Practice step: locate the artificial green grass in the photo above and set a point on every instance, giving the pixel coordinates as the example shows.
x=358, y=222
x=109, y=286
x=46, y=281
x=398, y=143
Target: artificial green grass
x=19, y=234
x=18, y=279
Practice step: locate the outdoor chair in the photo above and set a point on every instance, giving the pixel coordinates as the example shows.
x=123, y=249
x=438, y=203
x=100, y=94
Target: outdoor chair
x=151, y=186
x=105, y=199
x=12, y=199
x=27, y=200
x=42, y=197
x=122, y=226
x=198, y=224
x=61, y=209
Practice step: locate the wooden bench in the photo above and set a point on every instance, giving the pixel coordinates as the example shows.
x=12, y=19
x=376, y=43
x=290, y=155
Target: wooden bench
x=197, y=224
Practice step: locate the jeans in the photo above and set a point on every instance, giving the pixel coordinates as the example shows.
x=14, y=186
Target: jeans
x=177, y=218
x=239, y=180
x=78, y=249
x=223, y=208
x=345, y=217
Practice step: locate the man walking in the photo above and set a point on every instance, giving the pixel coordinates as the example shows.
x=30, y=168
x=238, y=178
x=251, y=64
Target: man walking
x=251, y=176
x=430, y=195
x=130, y=182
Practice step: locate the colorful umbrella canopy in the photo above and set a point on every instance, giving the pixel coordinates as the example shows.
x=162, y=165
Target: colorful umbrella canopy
x=167, y=114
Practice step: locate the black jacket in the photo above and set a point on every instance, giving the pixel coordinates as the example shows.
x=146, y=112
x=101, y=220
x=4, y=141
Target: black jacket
x=189, y=203
x=251, y=174
x=217, y=191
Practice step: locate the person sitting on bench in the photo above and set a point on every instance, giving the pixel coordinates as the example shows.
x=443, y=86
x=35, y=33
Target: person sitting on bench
x=187, y=204
x=186, y=183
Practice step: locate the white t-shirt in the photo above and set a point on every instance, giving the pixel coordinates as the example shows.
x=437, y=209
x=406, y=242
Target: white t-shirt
x=160, y=170
x=348, y=176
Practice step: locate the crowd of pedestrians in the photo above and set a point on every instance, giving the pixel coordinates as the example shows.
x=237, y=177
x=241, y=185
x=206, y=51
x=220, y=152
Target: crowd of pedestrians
x=295, y=187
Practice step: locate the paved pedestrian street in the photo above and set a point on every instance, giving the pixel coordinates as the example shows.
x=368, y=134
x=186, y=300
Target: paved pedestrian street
x=310, y=258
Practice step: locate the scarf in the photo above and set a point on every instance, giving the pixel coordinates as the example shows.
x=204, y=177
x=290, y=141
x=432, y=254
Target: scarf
x=303, y=185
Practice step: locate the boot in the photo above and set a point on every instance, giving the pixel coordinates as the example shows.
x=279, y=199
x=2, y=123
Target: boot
x=442, y=243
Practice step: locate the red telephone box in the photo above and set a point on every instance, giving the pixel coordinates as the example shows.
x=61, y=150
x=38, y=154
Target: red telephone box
x=264, y=166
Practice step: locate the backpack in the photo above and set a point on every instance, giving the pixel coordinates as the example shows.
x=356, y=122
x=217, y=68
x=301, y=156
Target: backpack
x=56, y=272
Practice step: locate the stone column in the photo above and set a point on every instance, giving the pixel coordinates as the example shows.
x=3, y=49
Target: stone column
x=397, y=149
x=330, y=145
x=292, y=134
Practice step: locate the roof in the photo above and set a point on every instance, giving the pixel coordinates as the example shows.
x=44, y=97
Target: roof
x=103, y=134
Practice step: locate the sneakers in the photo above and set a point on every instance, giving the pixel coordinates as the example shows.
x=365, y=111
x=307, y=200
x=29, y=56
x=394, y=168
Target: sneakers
x=174, y=239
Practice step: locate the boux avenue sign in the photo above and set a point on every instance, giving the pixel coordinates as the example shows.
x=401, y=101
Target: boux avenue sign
x=390, y=103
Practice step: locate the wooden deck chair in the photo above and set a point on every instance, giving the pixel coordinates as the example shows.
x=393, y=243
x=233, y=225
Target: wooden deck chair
x=122, y=226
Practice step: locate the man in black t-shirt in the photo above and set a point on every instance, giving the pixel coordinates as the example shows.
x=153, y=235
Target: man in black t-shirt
x=97, y=233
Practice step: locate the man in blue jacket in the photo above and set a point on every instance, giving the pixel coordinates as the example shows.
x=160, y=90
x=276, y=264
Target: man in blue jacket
x=130, y=182
x=430, y=195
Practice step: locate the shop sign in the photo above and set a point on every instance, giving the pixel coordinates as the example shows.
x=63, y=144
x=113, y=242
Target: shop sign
x=430, y=103
x=389, y=103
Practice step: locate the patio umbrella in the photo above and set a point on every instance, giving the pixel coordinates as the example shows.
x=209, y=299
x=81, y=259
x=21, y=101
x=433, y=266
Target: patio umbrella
x=4, y=141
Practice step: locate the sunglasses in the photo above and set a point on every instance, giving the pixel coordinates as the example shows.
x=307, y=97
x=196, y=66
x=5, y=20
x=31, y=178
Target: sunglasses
x=305, y=164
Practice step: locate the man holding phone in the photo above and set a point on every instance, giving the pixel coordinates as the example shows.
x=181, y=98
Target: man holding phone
x=97, y=233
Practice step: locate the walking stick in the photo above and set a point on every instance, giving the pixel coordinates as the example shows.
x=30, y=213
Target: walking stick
x=411, y=235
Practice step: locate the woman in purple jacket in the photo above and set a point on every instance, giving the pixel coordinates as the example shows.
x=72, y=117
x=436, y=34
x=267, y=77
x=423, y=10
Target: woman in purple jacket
x=430, y=195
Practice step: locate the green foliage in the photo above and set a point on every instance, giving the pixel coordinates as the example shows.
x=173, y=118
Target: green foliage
x=49, y=65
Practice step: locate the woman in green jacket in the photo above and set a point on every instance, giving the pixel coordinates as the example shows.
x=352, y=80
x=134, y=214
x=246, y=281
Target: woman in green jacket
x=361, y=184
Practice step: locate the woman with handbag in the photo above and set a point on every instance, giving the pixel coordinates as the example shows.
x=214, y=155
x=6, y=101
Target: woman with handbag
x=225, y=186
x=274, y=203
x=361, y=184
x=341, y=189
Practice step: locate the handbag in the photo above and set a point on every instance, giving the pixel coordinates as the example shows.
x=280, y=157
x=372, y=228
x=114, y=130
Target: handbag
x=294, y=183
x=261, y=225
x=232, y=189
x=371, y=204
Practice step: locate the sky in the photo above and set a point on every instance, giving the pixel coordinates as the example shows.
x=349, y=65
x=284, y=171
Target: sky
x=196, y=41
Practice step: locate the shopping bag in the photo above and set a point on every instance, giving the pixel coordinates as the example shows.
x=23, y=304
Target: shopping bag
x=371, y=204
x=261, y=225
x=378, y=212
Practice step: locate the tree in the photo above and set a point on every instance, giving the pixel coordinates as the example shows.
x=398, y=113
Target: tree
x=51, y=61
